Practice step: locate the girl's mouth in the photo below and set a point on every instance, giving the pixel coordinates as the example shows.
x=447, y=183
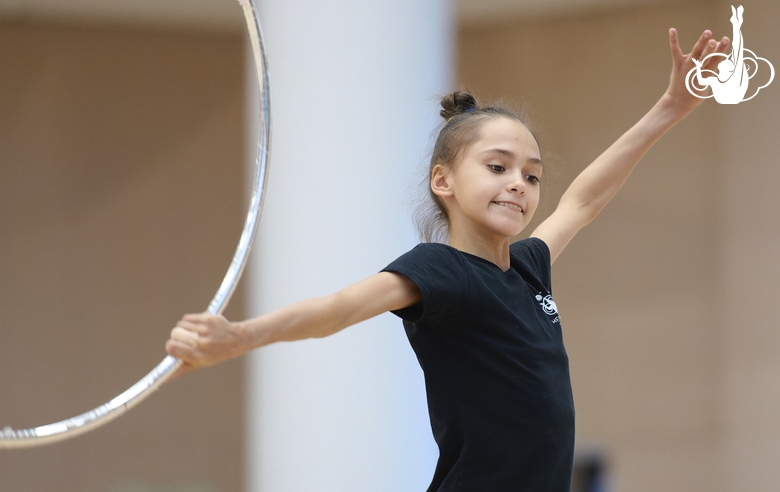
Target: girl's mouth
x=509, y=205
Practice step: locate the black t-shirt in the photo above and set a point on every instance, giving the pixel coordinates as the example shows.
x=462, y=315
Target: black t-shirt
x=496, y=372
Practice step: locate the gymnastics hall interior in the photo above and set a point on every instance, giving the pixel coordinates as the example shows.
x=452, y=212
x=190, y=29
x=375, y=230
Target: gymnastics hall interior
x=126, y=144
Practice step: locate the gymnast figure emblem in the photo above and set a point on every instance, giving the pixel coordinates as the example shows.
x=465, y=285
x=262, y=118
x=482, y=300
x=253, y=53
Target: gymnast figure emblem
x=730, y=84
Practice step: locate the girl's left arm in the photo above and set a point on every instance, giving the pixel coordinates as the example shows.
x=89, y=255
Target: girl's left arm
x=595, y=186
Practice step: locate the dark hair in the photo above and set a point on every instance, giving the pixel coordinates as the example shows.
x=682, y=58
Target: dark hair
x=463, y=119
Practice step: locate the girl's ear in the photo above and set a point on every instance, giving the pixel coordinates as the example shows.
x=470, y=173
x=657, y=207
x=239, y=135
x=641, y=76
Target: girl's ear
x=440, y=181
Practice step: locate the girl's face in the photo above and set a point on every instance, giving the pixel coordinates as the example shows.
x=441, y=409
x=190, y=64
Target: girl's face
x=493, y=191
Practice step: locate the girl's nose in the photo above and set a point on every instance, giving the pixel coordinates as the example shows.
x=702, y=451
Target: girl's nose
x=517, y=185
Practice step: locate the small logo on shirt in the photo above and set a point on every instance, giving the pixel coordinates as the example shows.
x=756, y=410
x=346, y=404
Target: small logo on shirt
x=548, y=305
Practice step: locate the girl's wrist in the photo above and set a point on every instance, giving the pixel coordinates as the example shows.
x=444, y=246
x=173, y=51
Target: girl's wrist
x=251, y=338
x=671, y=106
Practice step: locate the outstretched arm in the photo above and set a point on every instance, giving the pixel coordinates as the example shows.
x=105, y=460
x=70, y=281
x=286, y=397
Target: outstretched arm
x=590, y=192
x=204, y=339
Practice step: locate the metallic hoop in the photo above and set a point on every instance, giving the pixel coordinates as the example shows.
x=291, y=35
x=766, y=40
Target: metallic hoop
x=60, y=431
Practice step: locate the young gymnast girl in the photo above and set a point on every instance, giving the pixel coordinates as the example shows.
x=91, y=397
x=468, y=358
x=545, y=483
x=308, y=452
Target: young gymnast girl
x=478, y=311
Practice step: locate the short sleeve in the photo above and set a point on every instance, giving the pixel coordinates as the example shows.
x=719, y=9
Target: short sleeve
x=440, y=272
x=531, y=257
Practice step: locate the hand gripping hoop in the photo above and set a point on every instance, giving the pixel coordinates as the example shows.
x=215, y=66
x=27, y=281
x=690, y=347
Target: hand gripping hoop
x=60, y=431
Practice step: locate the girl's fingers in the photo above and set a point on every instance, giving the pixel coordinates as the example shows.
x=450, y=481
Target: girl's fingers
x=701, y=45
x=674, y=44
x=185, y=337
x=719, y=47
x=193, y=339
x=709, y=47
x=723, y=44
x=197, y=317
x=190, y=341
x=194, y=327
x=184, y=354
x=179, y=350
x=712, y=47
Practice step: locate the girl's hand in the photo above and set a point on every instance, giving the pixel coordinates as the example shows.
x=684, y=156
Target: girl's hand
x=201, y=340
x=682, y=100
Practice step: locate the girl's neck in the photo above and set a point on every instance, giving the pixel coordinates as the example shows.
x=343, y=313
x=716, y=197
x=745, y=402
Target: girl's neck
x=495, y=251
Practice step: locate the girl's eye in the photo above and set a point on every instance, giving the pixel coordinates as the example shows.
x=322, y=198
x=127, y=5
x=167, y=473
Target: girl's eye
x=532, y=178
x=496, y=168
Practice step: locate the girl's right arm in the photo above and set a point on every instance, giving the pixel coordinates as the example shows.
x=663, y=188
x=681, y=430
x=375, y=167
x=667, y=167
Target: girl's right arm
x=201, y=340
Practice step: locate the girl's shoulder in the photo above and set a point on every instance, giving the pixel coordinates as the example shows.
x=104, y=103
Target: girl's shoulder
x=440, y=272
x=531, y=257
x=530, y=246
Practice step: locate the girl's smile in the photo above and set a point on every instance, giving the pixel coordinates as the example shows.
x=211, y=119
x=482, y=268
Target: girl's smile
x=511, y=205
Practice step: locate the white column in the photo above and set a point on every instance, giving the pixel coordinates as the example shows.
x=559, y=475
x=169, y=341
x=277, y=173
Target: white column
x=355, y=88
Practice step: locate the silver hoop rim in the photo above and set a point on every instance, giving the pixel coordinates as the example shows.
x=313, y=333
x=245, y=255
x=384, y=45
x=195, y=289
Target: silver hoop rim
x=97, y=417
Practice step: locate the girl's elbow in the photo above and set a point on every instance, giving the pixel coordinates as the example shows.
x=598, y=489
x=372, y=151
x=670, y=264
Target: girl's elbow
x=335, y=315
x=580, y=213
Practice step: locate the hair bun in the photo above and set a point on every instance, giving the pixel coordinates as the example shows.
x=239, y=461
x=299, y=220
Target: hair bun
x=457, y=103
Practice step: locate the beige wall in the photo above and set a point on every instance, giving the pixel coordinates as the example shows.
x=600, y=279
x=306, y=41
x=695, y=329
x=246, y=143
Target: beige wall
x=669, y=298
x=121, y=181
x=750, y=279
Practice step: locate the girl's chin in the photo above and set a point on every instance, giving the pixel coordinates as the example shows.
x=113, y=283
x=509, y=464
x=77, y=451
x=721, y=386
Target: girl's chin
x=512, y=229
x=508, y=232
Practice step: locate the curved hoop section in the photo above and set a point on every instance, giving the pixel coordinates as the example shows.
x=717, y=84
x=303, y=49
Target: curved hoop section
x=60, y=431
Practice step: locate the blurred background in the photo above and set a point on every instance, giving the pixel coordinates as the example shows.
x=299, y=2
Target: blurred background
x=126, y=146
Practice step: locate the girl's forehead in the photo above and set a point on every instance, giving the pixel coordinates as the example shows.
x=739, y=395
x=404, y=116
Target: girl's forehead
x=506, y=133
